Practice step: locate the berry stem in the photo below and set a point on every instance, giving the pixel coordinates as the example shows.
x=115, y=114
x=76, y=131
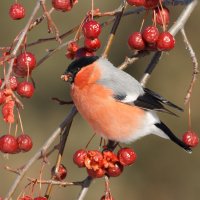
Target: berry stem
x=16, y=128
x=9, y=128
x=162, y=16
x=40, y=177
x=90, y=140
x=189, y=117
x=92, y=1
x=20, y=120
x=144, y=19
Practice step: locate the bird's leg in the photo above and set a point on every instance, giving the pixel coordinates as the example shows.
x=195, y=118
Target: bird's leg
x=111, y=145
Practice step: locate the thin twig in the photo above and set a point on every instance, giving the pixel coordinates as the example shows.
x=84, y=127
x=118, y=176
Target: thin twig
x=51, y=25
x=194, y=63
x=130, y=60
x=39, y=20
x=44, y=147
x=53, y=182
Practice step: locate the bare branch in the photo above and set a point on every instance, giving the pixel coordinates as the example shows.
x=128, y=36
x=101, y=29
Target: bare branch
x=85, y=187
x=195, y=65
x=130, y=60
x=114, y=29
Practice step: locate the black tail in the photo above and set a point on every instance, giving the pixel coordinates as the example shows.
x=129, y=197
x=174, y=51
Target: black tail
x=169, y=133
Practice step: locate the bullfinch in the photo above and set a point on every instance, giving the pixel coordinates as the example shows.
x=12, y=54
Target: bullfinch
x=115, y=104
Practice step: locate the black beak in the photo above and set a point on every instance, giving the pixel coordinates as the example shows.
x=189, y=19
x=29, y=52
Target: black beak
x=67, y=77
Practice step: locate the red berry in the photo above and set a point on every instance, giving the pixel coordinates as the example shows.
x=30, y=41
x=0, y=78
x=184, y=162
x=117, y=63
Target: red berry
x=191, y=138
x=62, y=5
x=25, y=198
x=17, y=11
x=91, y=29
x=61, y=174
x=25, y=89
x=70, y=55
x=136, y=2
x=135, y=41
x=126, y=156
x=150, y=34
x=165, y=41
x=162, y=16
x=24, y=142
x=40, y=198
x=115, y=170
x=79, y=157
x=99, y=173
x=94, y=160
x=19, y=72
x=13, y=82
x=109, y=159
x=92, y=44
x=8, y=144
x=2, y=97
x=151, y=3
x=83, y=52
x=26, y=62
x=72, y=47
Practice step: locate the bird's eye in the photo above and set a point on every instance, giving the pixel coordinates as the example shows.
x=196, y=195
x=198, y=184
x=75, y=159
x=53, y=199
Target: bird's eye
x=70, y=79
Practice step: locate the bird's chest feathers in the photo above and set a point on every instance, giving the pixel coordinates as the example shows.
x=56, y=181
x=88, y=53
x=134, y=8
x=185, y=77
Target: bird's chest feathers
x=86, y=76
x=109, y=118
x=88, y=96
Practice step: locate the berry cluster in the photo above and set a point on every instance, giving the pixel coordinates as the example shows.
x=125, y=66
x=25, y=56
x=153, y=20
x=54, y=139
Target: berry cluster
x=91, y=29
x=103, y=163
x=11, y=145
x=22, y=68
x=151, y=38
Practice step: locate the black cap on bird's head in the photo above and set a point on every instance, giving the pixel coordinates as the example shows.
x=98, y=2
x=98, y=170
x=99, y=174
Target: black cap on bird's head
x=76, y=66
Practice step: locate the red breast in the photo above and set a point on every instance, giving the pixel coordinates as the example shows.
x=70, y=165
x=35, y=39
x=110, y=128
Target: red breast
x=109, y=118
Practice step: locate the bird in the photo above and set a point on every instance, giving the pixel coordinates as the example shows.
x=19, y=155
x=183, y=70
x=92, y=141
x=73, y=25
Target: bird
x=115, y=104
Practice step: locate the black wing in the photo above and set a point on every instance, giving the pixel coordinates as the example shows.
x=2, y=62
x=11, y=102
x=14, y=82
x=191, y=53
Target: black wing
x=150, y=101
x=161, y=99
